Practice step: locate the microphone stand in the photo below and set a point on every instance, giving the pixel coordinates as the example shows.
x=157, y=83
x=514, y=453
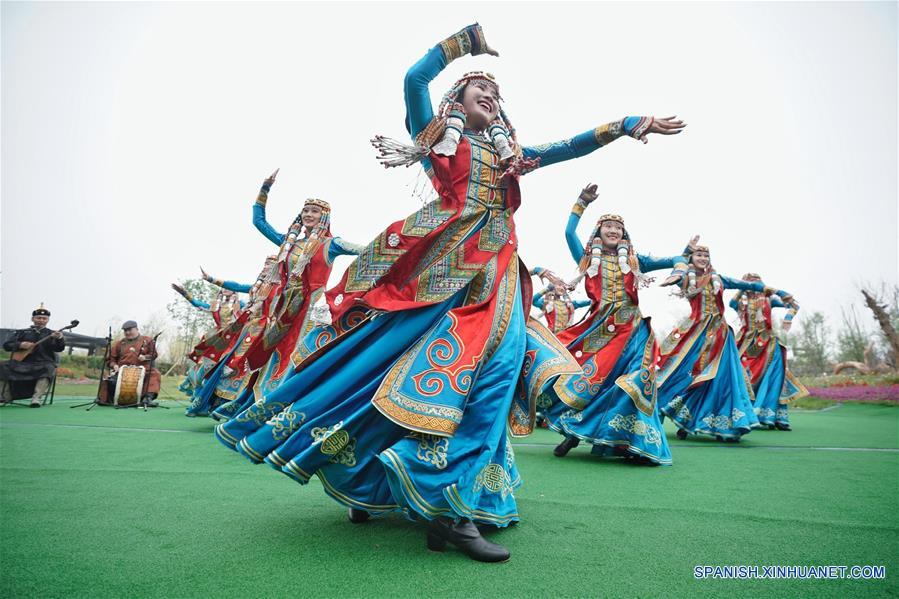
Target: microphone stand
x=105, y=361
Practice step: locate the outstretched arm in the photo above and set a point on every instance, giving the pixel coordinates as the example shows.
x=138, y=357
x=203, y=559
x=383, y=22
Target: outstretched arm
x=187, y=295
x=651, y=263
x=342, y=247
x=581, y=303
x=580, y=145
x=792, y=308
x=229, y=285
x=758, y=286
x=259, y=220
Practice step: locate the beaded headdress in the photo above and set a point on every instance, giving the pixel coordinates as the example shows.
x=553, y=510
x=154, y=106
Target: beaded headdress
x=443, y=133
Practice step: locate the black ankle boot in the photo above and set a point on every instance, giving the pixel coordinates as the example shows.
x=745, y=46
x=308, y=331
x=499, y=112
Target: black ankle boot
x=781, y=426
x=681, y=434
x=565, y=446
x=358, y=516
x=466, y=538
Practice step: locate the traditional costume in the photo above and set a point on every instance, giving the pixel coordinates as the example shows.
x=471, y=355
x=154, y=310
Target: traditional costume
x=615, y=346
x=225, y=309
x=430, y=360
x=764, y=355
x=557, y=305
x=221, y=384
x=139, y=351
x=702, y=385
x=33, y=374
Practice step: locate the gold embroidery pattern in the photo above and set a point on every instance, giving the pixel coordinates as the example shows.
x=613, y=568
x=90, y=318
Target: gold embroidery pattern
x=722, y=421
x=493, y=478
x=764, y=412
x=631, y=424
x=605, y=134
x=432, y=449
x=260, y=412
x=681, y=412
x=575, y=415
x=336, y=442
x=285, y=423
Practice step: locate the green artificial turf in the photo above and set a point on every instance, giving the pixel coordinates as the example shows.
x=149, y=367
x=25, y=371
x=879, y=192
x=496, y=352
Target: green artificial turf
x=126, y=503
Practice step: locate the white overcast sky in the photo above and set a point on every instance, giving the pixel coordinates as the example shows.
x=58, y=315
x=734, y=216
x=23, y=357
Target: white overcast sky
x=135, y=137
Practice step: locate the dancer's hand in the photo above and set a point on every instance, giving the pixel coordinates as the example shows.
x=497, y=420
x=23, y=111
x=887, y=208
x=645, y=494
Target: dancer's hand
x=694, y=241
x=271, y=180
x=670, y=280
x=589, y=194
x=181, y=290
x=669, y=125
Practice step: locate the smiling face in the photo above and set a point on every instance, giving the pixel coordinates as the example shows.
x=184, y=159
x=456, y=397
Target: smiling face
x=700, y=259
x=311, y=215
x=610, y=233
x=481, y=102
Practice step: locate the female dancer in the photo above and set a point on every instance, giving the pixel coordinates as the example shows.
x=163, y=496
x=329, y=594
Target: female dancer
x=433, y=359
x=765, y=356
x=615, y=346
x=224, y=386
x=557, y=305
x=225, y=309
x=702, y=385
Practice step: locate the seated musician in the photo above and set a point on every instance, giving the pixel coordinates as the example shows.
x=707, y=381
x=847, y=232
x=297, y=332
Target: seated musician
x=37, y=368
x=135, y=349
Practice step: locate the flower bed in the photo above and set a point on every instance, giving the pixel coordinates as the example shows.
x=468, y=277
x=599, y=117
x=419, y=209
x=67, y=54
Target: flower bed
x=859, y=393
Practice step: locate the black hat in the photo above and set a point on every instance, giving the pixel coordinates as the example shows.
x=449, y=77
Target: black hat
x=129, y=324
x=40, y=311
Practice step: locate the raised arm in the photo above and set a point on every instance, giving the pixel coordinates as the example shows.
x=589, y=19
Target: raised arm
x=259, y=220
x=419, y=110
x=538, y=299
x=735, y=301
x=586, y=197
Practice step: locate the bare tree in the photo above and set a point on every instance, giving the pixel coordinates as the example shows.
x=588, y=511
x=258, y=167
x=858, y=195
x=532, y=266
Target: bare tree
x=886, y=320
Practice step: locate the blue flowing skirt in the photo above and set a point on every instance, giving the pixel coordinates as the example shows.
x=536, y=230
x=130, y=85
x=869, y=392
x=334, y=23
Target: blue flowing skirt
x=768, y=408
x=322, y=422
x=203, y=398
x=612, y=420
x=721, y=406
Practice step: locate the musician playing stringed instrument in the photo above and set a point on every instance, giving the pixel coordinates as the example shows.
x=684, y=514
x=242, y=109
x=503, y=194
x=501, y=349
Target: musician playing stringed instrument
x=34, y=358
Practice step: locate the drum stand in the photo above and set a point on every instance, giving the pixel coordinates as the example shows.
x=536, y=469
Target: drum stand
x=96, y=400
x=143, y=403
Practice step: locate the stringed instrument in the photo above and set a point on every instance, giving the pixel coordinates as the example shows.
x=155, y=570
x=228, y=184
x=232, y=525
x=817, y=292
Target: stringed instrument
x=20, y=355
